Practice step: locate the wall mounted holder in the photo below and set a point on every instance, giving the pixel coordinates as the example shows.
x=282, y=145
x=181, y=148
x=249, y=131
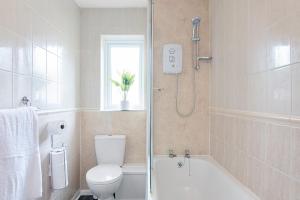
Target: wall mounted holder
x=205, y=58
x=25, y=101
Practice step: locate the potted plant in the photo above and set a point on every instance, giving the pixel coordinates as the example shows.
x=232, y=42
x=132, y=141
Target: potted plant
x=126, y=82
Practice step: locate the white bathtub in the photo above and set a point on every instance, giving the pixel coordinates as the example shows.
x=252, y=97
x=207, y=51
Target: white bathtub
x=198, y=179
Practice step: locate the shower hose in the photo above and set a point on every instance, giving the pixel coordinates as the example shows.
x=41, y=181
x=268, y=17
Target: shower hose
x=195, y=68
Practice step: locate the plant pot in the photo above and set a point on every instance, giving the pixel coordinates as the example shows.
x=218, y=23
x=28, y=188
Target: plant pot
x=124, y=105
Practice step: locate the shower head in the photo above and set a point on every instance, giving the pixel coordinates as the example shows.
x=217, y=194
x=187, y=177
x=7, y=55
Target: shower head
x=196, y=23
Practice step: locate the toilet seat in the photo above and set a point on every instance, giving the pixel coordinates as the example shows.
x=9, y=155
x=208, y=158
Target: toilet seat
x=104, y=174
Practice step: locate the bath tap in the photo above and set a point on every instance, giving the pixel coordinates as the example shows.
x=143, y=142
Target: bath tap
x=187, y=153
x=172, y=154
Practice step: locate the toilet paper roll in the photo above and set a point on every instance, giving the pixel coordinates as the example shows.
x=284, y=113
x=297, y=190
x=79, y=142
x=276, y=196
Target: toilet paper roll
x=58, y=166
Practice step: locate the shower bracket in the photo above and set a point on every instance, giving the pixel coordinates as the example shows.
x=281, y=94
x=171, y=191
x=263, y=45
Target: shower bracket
x=204, y=58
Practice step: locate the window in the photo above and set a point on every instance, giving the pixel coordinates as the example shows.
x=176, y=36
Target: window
x=122, y=53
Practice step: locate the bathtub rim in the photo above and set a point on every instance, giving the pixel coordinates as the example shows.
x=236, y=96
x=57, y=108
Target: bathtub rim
x=212, y=161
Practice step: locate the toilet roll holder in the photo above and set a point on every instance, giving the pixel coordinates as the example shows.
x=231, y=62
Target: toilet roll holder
x=54, y=129
x=58, y=169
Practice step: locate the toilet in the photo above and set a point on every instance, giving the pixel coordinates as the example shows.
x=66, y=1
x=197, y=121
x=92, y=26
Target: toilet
x=104, y=179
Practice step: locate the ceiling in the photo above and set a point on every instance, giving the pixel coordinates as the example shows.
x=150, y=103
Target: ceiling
x=111, y=3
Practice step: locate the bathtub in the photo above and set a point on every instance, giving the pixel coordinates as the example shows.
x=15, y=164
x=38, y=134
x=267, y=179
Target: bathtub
x=197, y=178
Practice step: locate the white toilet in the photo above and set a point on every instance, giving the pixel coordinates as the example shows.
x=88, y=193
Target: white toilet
x=104, y=180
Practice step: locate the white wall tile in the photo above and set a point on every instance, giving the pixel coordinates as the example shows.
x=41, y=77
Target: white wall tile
x=257, y=53
x=52, y=94
x=52, y=67
x=295, y=39
x=39, y=7
x=294, y=7
x=279, y=91
x=257, y=88
x=21, y=88
x=39, y=62
x=23, y=20
x=52, y=39
x=39, y=34
x=60, y=69
x=279, y=44
x=6, y=89
x=295, y=89
x=39, y=92
x=22, y=62
x=8, y=14
x=276, y=11
x=7, y=43
x=31, y=33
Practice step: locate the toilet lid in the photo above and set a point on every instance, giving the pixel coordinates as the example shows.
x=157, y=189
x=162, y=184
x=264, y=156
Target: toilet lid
x=104, y=174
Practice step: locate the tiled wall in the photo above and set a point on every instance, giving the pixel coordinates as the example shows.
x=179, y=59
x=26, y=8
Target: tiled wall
x=173, y=24
x=255, y=94
x=39, y=50
x=39, y=58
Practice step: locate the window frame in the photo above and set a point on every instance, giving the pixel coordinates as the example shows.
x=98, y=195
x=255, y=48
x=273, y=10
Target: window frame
x=107, y=42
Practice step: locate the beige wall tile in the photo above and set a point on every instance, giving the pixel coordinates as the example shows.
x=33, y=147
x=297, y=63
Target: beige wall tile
x=242, y=167
x=276, y=185
x=242, y=134
x=217, y=150
x=230, y=158
x=295, y=153
x=257, y=139
x=220, y=127
x=255, y=176
x=278, y=147
x=294, y=190
x=230, y=132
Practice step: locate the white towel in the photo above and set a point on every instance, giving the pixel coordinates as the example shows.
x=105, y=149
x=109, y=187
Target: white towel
x=20, y=163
